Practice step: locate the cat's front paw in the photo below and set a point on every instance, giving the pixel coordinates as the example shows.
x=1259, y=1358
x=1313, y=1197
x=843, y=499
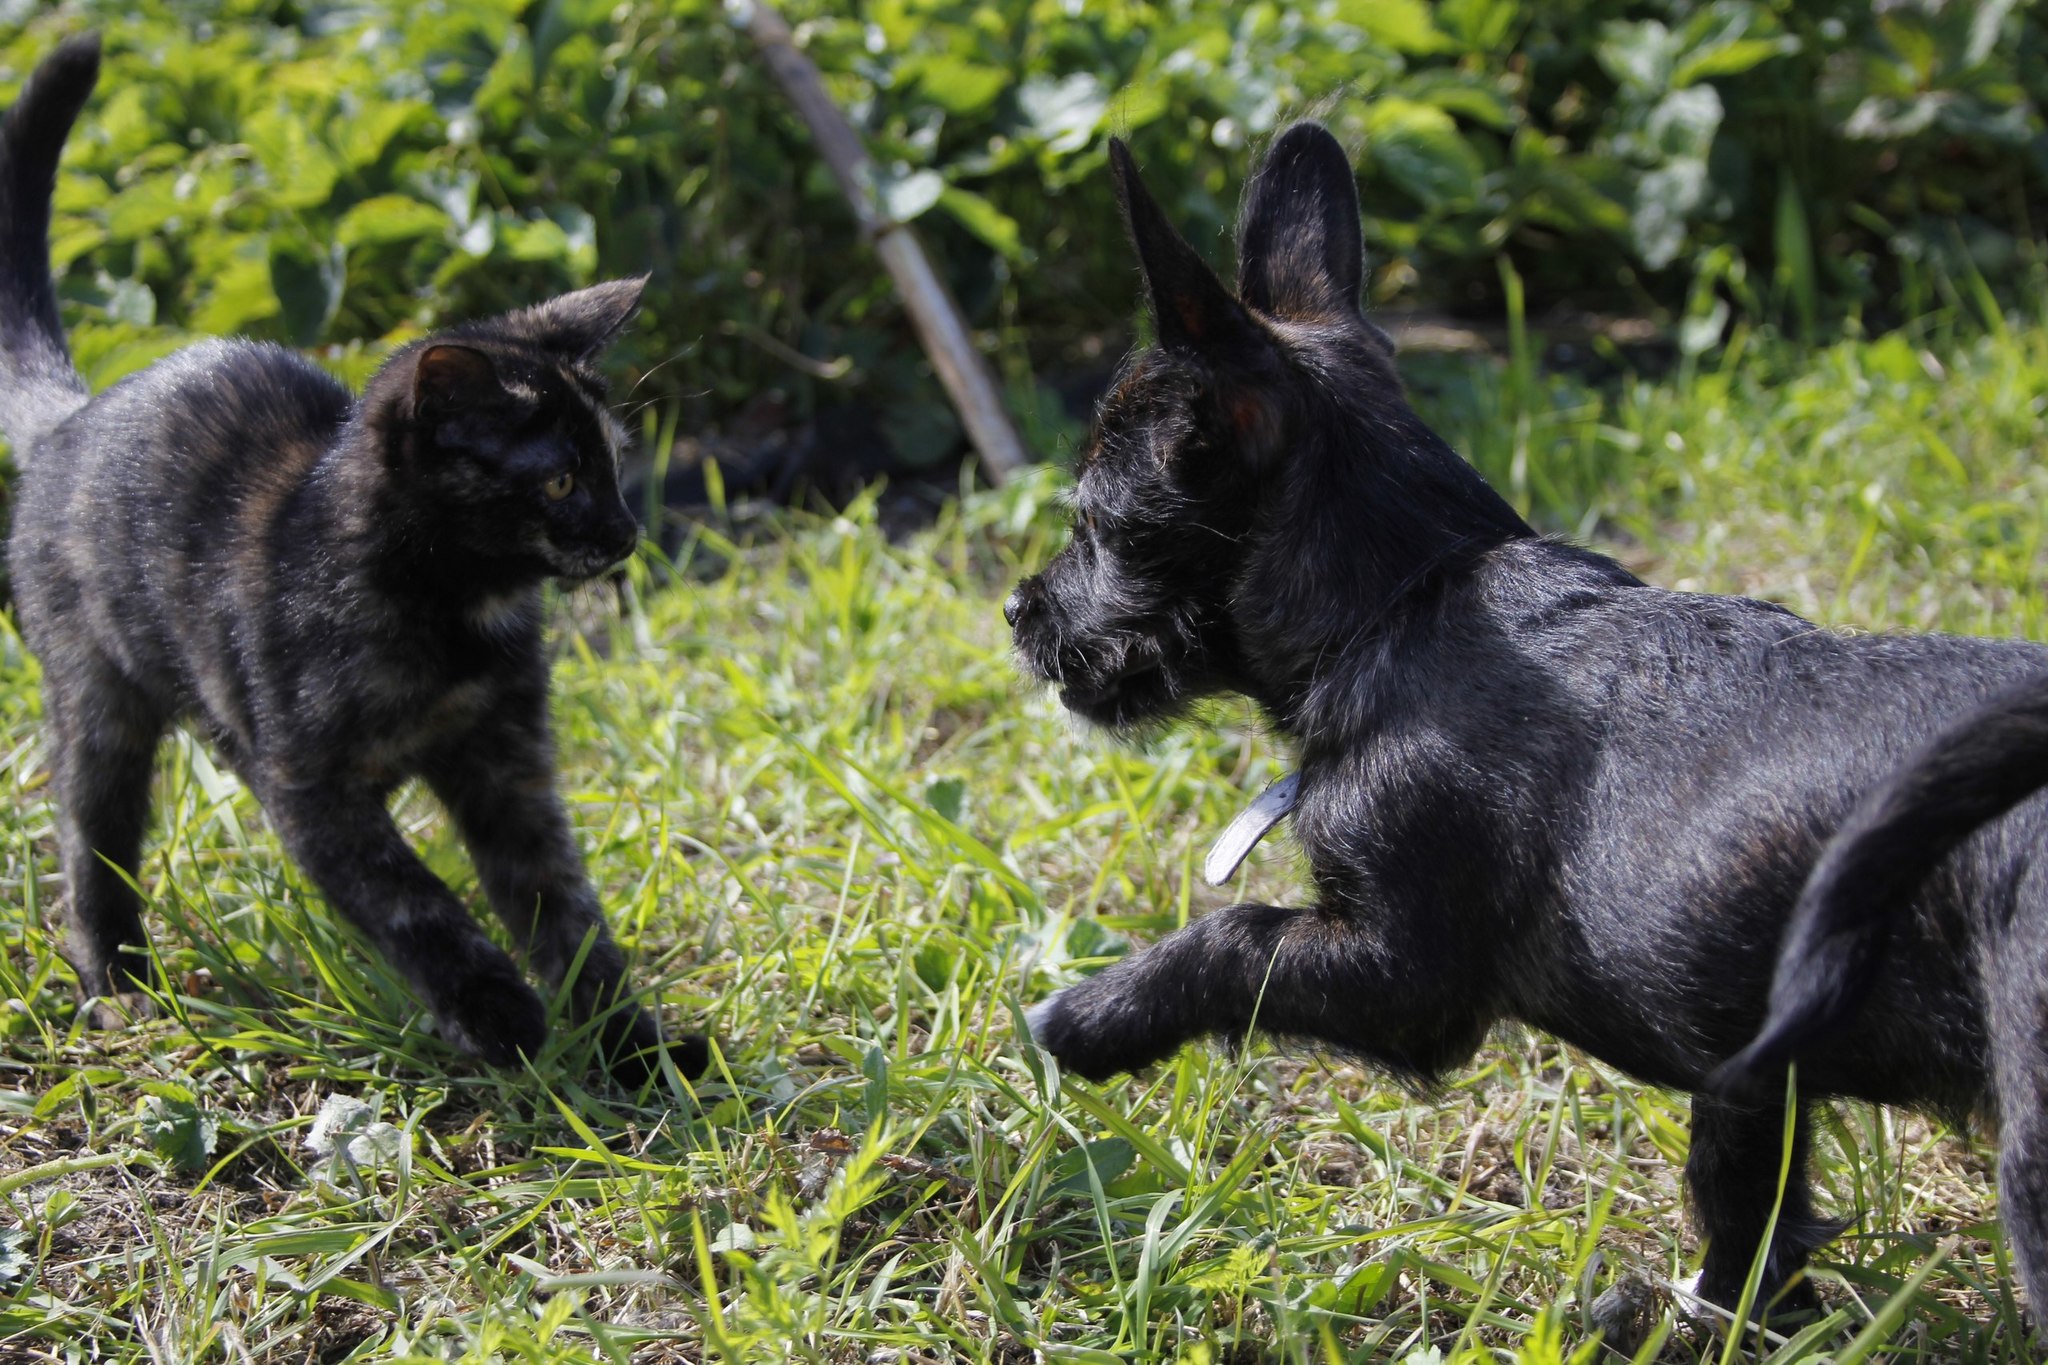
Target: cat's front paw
x=119, y=1011
x=492, y=1014
x=633, y=1050
x=1081, y=1034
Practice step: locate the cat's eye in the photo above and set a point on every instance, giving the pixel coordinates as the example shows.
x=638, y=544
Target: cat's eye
x=560, y=486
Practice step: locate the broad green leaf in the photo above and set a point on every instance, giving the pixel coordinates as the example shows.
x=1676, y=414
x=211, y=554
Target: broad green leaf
x=131, y=301
x=1419, y=147
x=1359, y=1291
x=179, y=1130
x=107, y=351
x=1912, y=39
x=17, y=1254
x=239, y=293
x=1665, y=200
x=904, y=195
x=1458, y=94
x=144, y=206
x=1638, y=55
x=959, y=86
x=1140, y=103
x=79, y=193
x=1064, y=112
x=300, y=170
x=388, y=218
x=308, y=282
x=1731, y=59
x=947, y=796
x=533, y=239
x=985, y=221
x=71, y=238
x=1479, y=25
x=368, y=131
x=1684, y=122
x=1108, y=1158
x=1402, y=25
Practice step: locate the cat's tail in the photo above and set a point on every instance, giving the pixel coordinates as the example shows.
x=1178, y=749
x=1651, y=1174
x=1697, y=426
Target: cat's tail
x=39, y=387
x=1868, y=876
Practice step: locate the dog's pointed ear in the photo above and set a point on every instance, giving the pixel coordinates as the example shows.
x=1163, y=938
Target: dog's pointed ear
x=582, y=323
x=1190, y=306
x=1300, y=253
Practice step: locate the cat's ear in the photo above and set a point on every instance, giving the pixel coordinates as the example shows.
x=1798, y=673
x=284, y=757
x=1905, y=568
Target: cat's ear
x=580, y=324
x=448, y=378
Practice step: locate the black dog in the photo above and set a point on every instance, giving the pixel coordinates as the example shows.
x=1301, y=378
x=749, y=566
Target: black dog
x=1530, y=786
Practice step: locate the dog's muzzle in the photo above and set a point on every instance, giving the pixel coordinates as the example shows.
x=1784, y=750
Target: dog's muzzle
x=1024, y=611
x=1022, y=599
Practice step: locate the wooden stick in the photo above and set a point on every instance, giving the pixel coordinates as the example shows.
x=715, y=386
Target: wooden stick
x=933, y=312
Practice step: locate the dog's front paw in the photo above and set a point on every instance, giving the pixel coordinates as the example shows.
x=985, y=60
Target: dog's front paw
x=1081, y=1035
x=492, y=1014
x=1042, y=1019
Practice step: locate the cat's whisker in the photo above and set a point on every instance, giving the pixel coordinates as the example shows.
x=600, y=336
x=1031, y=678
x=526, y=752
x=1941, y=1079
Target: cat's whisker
x=655, y=368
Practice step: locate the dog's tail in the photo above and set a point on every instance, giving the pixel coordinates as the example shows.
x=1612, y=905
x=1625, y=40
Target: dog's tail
x=1974, y=772
x=38, y=385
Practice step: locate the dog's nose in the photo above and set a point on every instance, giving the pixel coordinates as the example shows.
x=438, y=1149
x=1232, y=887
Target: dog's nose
x=1013, y=607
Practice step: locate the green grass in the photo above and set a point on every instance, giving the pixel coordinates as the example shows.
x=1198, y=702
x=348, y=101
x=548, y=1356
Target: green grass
x=838, y=831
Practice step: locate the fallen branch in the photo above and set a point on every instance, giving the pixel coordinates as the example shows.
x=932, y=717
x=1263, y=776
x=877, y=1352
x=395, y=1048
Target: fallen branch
x=931, y=307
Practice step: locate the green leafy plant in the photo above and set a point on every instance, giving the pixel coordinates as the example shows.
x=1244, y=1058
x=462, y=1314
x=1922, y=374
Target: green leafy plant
x=338, y=176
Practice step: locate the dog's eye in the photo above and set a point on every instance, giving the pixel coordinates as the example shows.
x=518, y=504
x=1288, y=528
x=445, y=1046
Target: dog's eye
x=560, y=486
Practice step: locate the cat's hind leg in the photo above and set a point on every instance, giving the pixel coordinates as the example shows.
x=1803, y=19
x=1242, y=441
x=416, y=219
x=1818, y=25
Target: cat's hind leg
x=103, y=737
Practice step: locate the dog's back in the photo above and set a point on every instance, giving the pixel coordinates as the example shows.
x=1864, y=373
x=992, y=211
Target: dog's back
x=1688, y=759
x=1882, y=863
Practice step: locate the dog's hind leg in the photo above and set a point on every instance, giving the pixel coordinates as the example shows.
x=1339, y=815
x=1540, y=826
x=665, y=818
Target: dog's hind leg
x=1306, y=973
x=1737, y=1151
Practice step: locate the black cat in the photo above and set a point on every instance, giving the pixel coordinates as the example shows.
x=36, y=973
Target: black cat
x=342, y=593
x=1530, y=786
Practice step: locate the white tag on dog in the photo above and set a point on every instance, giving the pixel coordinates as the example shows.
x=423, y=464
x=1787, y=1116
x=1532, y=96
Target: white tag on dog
x=1251, y=825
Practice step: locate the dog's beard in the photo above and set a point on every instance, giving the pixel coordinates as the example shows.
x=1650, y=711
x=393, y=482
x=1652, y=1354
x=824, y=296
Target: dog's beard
x=1143, y=693
x=1121, y=679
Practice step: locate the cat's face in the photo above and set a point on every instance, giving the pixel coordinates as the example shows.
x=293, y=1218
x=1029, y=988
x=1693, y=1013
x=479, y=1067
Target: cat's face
x=513, y=440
